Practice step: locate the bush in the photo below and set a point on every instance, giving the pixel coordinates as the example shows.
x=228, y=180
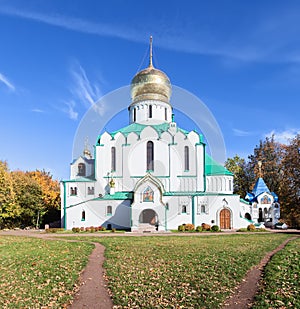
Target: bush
x=199, y=228
x=189, y=227
x=181, y=228
x=54, y=229
x=113, y=230
x=101, y=228
x=251, y=227
x=215, y=228
x=205, y=227
x=75, y=229
x=243, y=229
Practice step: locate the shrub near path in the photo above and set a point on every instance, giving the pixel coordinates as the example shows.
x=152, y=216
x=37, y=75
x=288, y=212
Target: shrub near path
x=180, y=272
x=39, y=273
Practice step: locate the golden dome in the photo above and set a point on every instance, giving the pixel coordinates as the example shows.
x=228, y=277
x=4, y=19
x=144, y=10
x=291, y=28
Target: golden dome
x=151, y=84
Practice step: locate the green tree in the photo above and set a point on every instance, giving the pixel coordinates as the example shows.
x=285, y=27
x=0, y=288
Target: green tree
x=9, y=210
x=243, y=178
x=28, y=197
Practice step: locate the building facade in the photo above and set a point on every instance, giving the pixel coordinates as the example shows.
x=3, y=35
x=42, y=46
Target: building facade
x=151, y=174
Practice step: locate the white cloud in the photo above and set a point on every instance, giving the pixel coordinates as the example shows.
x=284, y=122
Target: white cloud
x=6, y=82
x=285, y=136
x=238, y=132
x=37, y=110
x=84, y=90
x=269, y=39
x=70, y=111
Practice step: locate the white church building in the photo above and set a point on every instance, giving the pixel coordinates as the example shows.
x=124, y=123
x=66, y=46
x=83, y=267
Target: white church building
x=150, y=174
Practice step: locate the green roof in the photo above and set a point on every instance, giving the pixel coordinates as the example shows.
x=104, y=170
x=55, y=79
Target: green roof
x=138, y=128
x=117, y=196
x=212, y=167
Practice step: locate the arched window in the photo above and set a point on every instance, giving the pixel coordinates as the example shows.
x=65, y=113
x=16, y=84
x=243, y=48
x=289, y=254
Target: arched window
x=81, y=169
x=90, y=190
x=109, y=210
x=83, y=215
x=150, y=111
x=183, y=209
x=186, y=158
x=134, y=114
x=73, y=190
x=203, y=209
x=113, y=158
x=150, y=156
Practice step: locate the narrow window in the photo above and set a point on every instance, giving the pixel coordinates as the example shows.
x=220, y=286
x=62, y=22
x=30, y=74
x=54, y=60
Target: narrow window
x=81, y=169
x=113, y=158
x=150, y=156
x=230, y=185
x=73, y=191
x=203, y=209
x=90, y=190
x=183, y=209
x=134, y=115
x=186, y=159
x=150, y=111
x=166, y=114
x=83, y=215
x=109, y=210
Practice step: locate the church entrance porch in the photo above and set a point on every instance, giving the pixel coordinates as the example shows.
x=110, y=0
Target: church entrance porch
x=225, y=219
x=148, y=216
x=148, y=221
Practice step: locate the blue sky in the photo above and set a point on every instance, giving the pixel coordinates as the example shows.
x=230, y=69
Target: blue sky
x=57, y=58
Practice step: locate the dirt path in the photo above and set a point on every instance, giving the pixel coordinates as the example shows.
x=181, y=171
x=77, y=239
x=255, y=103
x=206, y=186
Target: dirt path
x=244, y=294
x=93, y=289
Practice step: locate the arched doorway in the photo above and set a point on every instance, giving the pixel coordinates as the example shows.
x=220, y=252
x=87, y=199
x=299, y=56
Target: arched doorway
x=260, y=215
x=225, y=219
x=247, y=216
x=148, y=216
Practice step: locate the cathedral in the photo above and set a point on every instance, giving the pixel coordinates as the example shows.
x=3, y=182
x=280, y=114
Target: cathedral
x=153, y=175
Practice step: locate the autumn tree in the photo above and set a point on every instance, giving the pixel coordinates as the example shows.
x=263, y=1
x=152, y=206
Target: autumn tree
x=290, y=185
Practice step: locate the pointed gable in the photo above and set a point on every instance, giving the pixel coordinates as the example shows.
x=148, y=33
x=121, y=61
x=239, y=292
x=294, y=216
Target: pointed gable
x=260, y=187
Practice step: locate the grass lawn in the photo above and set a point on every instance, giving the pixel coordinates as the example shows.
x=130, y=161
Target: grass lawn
x=37, y=273
x=181, y=272
x=281, y=282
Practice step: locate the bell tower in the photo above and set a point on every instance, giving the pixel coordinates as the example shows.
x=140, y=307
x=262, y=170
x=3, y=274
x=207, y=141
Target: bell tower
x=150, y=94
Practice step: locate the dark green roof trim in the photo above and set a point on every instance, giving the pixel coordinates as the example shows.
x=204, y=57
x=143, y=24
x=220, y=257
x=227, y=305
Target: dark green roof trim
x=79, y=180
x=117, y=196
x=182, y=193
x=138, y=128
x=244, y=201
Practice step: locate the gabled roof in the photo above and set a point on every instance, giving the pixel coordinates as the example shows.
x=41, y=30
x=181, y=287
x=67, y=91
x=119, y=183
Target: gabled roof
x=212, y=167
x=260, y=187
x=86, y=160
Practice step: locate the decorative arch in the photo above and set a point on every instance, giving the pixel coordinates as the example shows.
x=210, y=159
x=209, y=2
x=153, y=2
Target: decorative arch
x=225, y=218
x=152, y=180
